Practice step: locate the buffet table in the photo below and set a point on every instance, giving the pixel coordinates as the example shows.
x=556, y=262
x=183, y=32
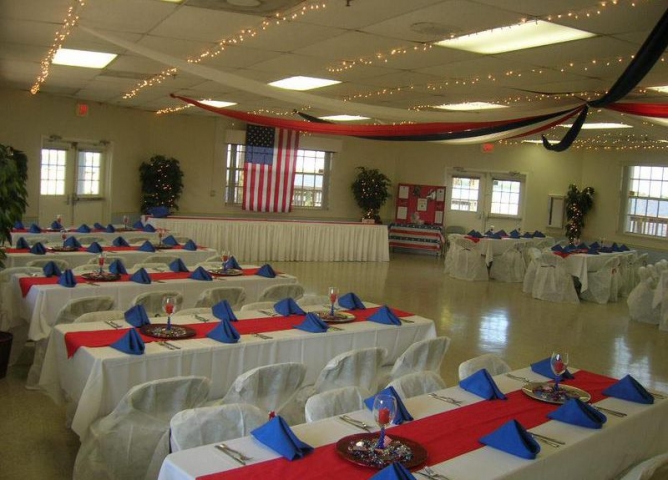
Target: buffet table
x=419, y=238
x=265, y=240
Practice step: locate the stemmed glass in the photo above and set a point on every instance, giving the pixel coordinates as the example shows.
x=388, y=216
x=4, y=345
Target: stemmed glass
x=225, y=256
x=333, y=295
x=169, y=307
x=126, y=221
x=100, y=261
x=63, y=234
x=161, y=232
x=558, y=364
x=384, y=410
x=59, y=219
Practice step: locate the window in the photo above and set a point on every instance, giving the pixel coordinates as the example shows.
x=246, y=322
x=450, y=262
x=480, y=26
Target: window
x=465, y=192
x=311, y=177
x=505, y=197
x=646, y=211
x=88, y=174
x=53, y=171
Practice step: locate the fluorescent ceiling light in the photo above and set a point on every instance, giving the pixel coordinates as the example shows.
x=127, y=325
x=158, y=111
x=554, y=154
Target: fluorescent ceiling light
x=600, y=126
x=344, y=118
x=532, y=141
x=82, y=58
x=515, y=37
x=662, y=89
x=217, y=103
x=303, y=83
x=470, y=106
x=172, y=1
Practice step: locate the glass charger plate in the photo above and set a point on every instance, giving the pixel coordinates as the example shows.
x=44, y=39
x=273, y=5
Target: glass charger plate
x=545, y=392
x=338, y=317
x=63, y=249
x=359, y=449
x=103, y=277
x=160, y=330
x=227, y=272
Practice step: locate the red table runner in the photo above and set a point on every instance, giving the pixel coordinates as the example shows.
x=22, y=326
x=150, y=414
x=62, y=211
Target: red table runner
x=444, y=436
x=111, y=249
x=104, y=338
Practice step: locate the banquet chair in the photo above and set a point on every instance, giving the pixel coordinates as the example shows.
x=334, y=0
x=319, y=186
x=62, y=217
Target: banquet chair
x=466, y=263
x=192, y=311
x=158, y=266
x=640, y=300
x=308, y=300
x=62, y=264
x=161, y=258
x=152, y=301
x=215, y=259
x=532, y=267
x=138, y=240
x=108, y=259
x=86, y=268
x=210, y=265
x=553, y=283
x=132, y=441
x=492, y=363
x=88, y=239
x=258, y=306
x=33, y=239
x=334, y=402
x=626, y=275
x=421, y=356
x=655, y=468
x=417, y=383
x=203, y=425
x=603, y=283
x=103, y=316
x=211, y=296
x=510, y=266
x=279, y=292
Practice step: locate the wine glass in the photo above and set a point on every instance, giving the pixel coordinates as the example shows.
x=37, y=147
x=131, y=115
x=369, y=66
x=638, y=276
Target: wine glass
x=558, y=364
x=63, y=234
x=225, y=256
x=161, y=232
x=169, y=307
x=384, y=410
x=59, y=219
x=126, y=221
x=333, y=295
x=100, y=261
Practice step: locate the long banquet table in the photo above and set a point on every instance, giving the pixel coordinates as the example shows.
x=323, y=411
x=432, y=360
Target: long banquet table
x=265, y=240
x=579, y=264
x=53, y=236
x=491, y=247
x=97, y=378
x=453, y=450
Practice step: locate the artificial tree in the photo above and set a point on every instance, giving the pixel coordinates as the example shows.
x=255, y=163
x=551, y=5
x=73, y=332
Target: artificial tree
x=371, y=191
x=161, y=183
x=13, y=192
x=578, y=204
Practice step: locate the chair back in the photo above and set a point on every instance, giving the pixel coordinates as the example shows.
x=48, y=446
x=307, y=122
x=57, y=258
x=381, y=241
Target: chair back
x=279, y=292
x=424, y=355
x=455, y=229
x=104, y=316
x=357, y=368
x=258, y=306
x=333, y=403
x=161, y=258
x=152, y=301
x=6, y=274
x=492, y=363
x=655, y=468
x=211, y=296
x=108, y=259
x=164, y=398
x=87, y=268
x=417, y=383
x=148, y=266
x=192, y=311
x=78, y=306
x=62, y=264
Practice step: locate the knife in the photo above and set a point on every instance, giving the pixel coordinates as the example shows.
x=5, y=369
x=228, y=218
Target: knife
x=355, y=423
x=227, y=452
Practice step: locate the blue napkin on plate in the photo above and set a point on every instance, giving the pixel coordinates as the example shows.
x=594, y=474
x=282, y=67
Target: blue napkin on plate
x=394, y=471
x=67, y=279
x=72, y=242
x=149, y=228
x=495, y=236
x=231, y=263
x=201, y=274
x=402, y=415
x=98, y=226
x=385, y=316
x=38, y=249
x=579, y=413
x=582, y=246
x=351, y=301
x=556, y=248
x=94, y=248
x=34, y=228
x=312, y=323
x=288, y=306
x=475, y=234
x=22, y=243
x=266, y=271
x=138, y=225
x=514, y=234
x=623, y=248
x=190, y=245
x=512, y=438
x=159, y=212
x=51, y=269
x=137, y=316
x=482, y=384
x=277, y=435
x=131, y=343
x=147, y=246
x=56, y=226
x=538, y=234
x=141, y=276
x=543, y=368
x=223, y=311
x=110, y=228
x=629, y=389
x=170, y=240
x=83, y=228
x=503, y=233
x=592, y=251
x=117, y=267
x=615, y=247
x=18, y=225
x=224, y=332
x=527, y=235
x=120, y=242
x=594, y=245
x=178, y=266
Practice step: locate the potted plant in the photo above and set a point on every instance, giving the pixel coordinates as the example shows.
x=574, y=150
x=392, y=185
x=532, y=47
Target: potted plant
x=371, y=191
x=13, y=192
x=161, y=184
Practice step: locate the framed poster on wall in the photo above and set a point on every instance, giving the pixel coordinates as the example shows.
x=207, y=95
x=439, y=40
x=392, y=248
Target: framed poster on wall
x=420, y=204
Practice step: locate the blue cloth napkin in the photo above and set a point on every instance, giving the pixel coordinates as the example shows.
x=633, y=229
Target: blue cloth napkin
x=592, y=251
x=351, y=302
x=201, y=274
x=385, y=316
x=18, y=225
x=141, y=276
x=394, y=471
x=277, y=435
x=527, y=235
x=288, y=306
x=512, y=438
x=51, y=269
x=538, y=234
x=137, y=316
x=495, y=236
x=514, y=234
x=83, y=228
x=22, y=243
x=117, y=267
x=120, y=242
x=502, y=233
x=579, y=413
x=159, y=212
x=402, y=415
x=170, y=240
x=231, y=263
x=138, y=225
x=224, y=332
x=147, y=246
x=556, y=248
x=34, y=228
x=594, y=245
x=615, y=247
x=474, y=234
x=94, y=248
x=312, y=323
x=543, y=368
x=130, y=343
x=482, y=384
x=223, y=311
x=98, y=226
x=605, y=250
x=149, y=228
x=178, y=266
x=38, y=249
x=628, y=388
x=582, y=246
x=56, y=226
x=110, y=228
x=623, y=248
x=67, y=279
x=72, y=242
x=266, y=271
x=190, y=245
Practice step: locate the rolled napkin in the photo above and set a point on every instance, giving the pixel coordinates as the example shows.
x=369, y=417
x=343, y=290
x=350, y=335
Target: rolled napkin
x=138, y=225
x=72, y=242
x=201, y=274
x=277, y=435
x=266, y=271
x=38, y=249
x=170, y=240
x=482, y=384
x=288, y=306
x=94, y=248
x=178, y=266
x=149, y=228
x=543, y=368
x=512, y=437
x=56, y=226
x=67, y=279
x=147, y=246
x=120, y=242
x=385, y=316
x=394, y=471
x=527, y=235
x=556, y=248
x=34, y=228
x=351, y=302
x=223, y=311
x=190, y=245
x=22, y=243
x=51, y=269
x=141, y=276
x=538, y=234
x=98, y=226
x=402, y=415
x=117, y=267
x=137, y=316
x=312, y=323
x=83, y=228
x=579, y=413
x=18, y=225
x=224, y=332
x=231, y=263
x=629, y=389
x=131, y=343
x=110, y=228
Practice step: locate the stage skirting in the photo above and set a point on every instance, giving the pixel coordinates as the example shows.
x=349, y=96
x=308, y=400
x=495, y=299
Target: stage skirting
x=266, y=240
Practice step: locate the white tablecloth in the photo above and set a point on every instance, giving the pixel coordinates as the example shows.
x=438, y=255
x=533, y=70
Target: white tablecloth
x=57, y=237
x=491, y=247
x=258, y=241
x=578, y=264
x=97, y=378
x=588, y=453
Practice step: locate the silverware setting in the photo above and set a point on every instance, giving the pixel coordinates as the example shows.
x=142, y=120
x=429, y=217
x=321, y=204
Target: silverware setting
x=431, y=473
x=657, y=395
x=553, y=442
x=233, y=454
x=515, y=377
x=262, y=336
x=442, y=398
x=611, y=412
x=113, y=324
x=331, y=327
x=271, y=313
x=405, y=320
x=169, y=346
x=355, y=423
x=92, y=284
x=201, y=319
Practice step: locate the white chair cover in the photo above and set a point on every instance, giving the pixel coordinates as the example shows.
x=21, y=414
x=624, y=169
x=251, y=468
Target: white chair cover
x=510, y=266
x=279, y=292
x=203, y=425
x=553, y=283
x=655, y=468
x=334, y=402
x=532, y=267
x=210, y=265
x=603, y=283
x=138, y=240
x=87, y=268
x=132, y=441
x=493, y=363
x=192, y=311
x=641, y=298
x=104, y=316
x=626, y=274
x=417, y=383
x=152, y=301
x=62, y=264
x=640, y=261
x=308, y=300
x=211, y=296
x=161, y=258
x=33, y=239
x=148, y=266
x=467, y=263
x=425, y=355
x=258, y=306
x=88, y=239
x=108, y=259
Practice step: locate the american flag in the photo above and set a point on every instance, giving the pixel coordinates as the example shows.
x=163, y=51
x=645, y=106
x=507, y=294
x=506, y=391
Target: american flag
x=269, y=168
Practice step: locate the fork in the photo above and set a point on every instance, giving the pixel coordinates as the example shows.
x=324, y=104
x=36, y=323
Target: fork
x=237, y=452
x=262, y=336
x=429, y=472
x=112, y=324
x=201, y=319
x=515, y=377
x=356, y=423
x=230, y=454
x=549, y=441
x=446, y=399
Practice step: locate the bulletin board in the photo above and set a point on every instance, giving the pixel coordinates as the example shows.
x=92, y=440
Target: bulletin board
x=420, y=204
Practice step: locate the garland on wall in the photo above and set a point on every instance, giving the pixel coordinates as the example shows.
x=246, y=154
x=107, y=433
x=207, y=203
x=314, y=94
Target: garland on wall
x=13, y=192
x=578, y=204
x=161, y=183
